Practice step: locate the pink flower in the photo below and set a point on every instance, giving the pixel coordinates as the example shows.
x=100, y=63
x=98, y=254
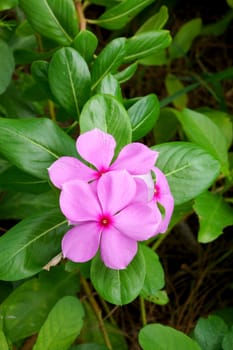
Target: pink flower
x=163, y=196
x=111, y=215
x=97, y=148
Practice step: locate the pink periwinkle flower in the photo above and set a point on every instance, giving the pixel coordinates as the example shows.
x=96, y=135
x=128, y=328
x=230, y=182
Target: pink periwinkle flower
x=97, y=148
x=110, y=215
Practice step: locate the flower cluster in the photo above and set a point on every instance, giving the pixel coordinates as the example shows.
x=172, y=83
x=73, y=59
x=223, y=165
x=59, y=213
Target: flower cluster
x=111, y=204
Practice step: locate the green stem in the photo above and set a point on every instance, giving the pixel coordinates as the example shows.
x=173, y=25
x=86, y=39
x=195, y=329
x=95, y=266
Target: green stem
x=143, y=311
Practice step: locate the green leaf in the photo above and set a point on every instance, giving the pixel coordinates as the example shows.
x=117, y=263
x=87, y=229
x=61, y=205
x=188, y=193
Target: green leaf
x=69, y=80
x=154, y=279
x=158, y=59
x=214, y=215
x=3, y=341
x=44, y=21
x=166, y=126
x=34, y=144
x=155, y=22
x=85, y=43
x=173, y=85
x=7, y=66
x=182, y=41
x=209, y=332
x=160, y=337
x=30, y=244
x=118, y=287
x=66, y=14
x=26, y=308
x=39, y=70
x=202, y=131
x=16, y=180
x=106, y=113
x=218, y=27
x=8, y=4
x=189, y=169
x=116, y=17
x=90, y=346
x=227, y=343
x=146, y=44
x=230, y=3
x=223, y=121
x=108, y=60
x=127, y=73
x=57, y=334
x=109, y=85
x=143, y=115
x=19, y=205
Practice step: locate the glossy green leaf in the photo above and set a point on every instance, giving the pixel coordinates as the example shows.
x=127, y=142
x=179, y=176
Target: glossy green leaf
x=109, y=85
x=155, y=22
x=116, y=17
x=146, y=44
x=8, y=4
x=214, y=215
x=209, y=332
x=105, y=2
x=173, y=85
x=57, y=334
x=201, y=130
x=66, y=15
x=143, y=115
x=26, y=308
x=69, y=80
x=44, y=20
x=183, y=39
x=17, y=180
x=6, y=67
x=118, y=286
x=154, y=279
x=31, y=244
x=34, y=144
x=158, y=59
x=3, y=341
x=19, y=205
x=189, y=169
x=160, y=337
x=108, y=60
x=227, y=343
x=159, y=297
x=127, y=73
x=106, y=113
x=85, y=43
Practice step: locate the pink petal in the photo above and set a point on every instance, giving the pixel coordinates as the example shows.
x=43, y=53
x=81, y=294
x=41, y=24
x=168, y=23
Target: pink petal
x=136, y=158
x=164, y=197
x=149, y=184
x=78, y=202
x=115, y=190
x=97, y=148
x=69, y=168
x=81, y=243
x=167, y=201
x=138, y=221
x=117, y=250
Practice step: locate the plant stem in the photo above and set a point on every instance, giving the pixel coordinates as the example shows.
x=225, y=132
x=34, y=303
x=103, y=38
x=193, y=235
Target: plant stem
x=82, y=19
x=160, y=240
x=97, y=311
x=143, y=311
x=52, y=110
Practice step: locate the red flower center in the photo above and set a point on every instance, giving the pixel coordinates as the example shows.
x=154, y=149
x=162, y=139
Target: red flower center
x=105, y=220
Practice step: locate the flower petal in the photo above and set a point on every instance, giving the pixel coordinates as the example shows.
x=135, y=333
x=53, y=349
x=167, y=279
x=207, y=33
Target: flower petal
x=78, y=202
x=148, y=181
x=117, y=250
x=138, y=221
x=96, y=147
x=136, y=158
x=81, y=243
x=115, y=189
x=164, y=197
x=69, y=168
